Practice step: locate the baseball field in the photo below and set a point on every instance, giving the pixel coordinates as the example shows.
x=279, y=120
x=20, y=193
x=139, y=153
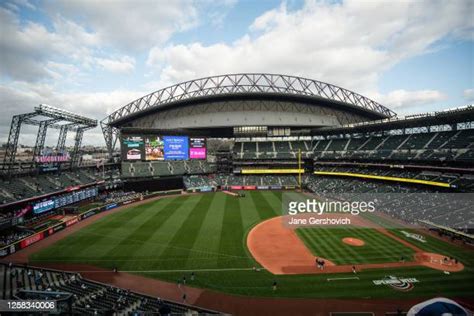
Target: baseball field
x=206, y=234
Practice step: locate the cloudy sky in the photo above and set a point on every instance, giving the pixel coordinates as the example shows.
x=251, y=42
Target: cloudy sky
x=92, y=57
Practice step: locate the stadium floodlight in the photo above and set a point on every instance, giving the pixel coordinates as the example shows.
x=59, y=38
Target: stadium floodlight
x=55, y=115
x=48, y=110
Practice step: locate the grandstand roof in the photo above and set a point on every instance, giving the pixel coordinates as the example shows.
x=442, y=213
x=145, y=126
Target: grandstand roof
x=248, y=85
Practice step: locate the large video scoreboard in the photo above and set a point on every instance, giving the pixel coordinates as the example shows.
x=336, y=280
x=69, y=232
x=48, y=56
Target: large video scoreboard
x=160, y=148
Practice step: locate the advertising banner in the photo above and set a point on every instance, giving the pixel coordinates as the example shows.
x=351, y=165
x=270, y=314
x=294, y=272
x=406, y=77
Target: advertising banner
x=236, y=187
x=31, y=240
x=154, y=148
x=72, y=221
x=56, y=228
x=206, y=189
x=197, y=148
x=132, y=148
x=197, y=153
x=176, y=147
x=110, y=206
x=249, y=187
x=23, y=211
x=49, y=156
x=89, y=213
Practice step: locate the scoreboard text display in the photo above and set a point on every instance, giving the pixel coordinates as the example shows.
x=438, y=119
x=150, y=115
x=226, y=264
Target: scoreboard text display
x=176, y=147
x=43, y=206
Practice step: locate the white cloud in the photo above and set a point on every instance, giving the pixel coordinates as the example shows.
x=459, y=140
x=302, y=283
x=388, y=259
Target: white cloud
x=130, y=25
x=349, y=44
x=25, y=3
x=61, y=70
x=123, y=65
x=217, y=11
x=468, y=95
x=21, y=97
x=402, y=99
x=26, y=49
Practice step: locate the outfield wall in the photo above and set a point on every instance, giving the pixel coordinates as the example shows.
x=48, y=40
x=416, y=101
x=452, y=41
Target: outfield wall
x=151, y=185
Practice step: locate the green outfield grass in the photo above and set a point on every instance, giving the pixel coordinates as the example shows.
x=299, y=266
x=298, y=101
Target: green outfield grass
x=206, y=233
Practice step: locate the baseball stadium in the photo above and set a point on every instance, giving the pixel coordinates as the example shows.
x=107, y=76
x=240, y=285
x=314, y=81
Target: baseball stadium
x=198, y=206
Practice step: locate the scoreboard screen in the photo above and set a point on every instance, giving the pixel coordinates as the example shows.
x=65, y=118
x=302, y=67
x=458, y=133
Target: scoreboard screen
x=43, y=206
x=132, y=148
x=197, y=148
x=154, y=148
x=75, y=197
x=176, y=147
x=162, y=148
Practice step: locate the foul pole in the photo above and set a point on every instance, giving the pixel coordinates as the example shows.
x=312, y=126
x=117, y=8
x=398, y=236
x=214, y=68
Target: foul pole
x=299, y=167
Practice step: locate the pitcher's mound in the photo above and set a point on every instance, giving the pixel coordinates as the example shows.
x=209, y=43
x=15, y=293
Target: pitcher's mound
x=353, y=241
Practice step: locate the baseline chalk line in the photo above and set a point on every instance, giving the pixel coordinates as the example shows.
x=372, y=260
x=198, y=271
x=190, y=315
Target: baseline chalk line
x=336, y=279
x=168, y=271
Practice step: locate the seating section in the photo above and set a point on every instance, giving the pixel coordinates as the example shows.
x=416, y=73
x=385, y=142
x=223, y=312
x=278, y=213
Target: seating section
x=271, y=149
x=433, y=146
x=19, y=188
x=463, y=182
x=229, y=180
x=165, y=168
x=88, y=298
x=401, y=200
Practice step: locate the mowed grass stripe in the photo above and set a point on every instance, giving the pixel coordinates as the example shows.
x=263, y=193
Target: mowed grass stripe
x=277, y=194
x=134, y=236
x=356, y=254
x=250, y=214
x=143, y=238
x=108, y=246
x=231, y=236
x=209, y=236
x=317, y=247
x=163, y=234
x=274, y=201
x=86, y=239
x=387, y=248
x=264, y=208
x=321, y=248
x=327, y=237
x=346, y=253
x=184, y=238
x=373, y=249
